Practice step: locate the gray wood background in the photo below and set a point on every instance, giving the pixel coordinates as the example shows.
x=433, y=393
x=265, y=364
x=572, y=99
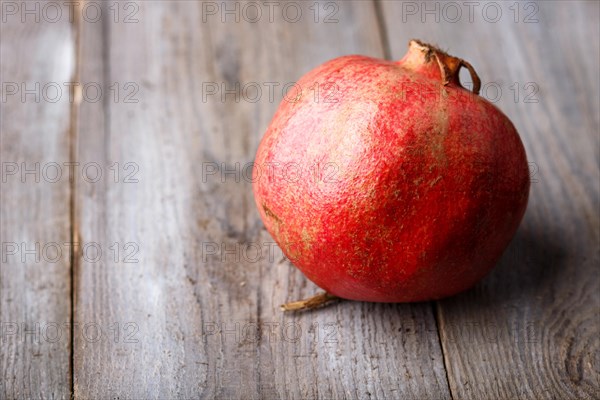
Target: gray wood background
x=157, y=280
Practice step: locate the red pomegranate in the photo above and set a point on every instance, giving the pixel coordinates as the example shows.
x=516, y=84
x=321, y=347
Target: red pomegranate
x=388, y=181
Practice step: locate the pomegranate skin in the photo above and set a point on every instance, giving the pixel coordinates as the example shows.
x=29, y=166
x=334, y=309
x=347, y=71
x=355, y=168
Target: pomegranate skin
x=389, y=182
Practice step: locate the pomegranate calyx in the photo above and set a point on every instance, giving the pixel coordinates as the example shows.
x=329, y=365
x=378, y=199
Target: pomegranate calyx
x=421, y=53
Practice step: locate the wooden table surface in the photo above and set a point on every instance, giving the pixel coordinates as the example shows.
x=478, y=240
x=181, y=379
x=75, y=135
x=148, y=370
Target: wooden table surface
x=135, y=265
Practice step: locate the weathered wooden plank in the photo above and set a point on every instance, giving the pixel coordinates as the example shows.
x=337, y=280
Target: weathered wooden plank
x=530, y=330
x=206, y=308
x=36, y=65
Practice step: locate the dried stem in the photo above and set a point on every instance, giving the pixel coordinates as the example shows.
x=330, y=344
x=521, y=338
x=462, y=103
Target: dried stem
x=310, y=303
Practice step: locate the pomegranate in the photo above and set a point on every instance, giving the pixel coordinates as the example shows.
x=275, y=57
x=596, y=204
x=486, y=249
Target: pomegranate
x=388, y=181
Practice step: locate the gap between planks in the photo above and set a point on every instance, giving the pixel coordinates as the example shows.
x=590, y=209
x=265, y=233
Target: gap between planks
x=76, y=95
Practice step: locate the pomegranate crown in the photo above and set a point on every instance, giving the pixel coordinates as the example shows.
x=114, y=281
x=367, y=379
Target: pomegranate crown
x=420, y=53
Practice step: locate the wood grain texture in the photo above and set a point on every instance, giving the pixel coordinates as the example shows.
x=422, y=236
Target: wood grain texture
x=530, y=330
x=206, y=307
x=35, y=336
